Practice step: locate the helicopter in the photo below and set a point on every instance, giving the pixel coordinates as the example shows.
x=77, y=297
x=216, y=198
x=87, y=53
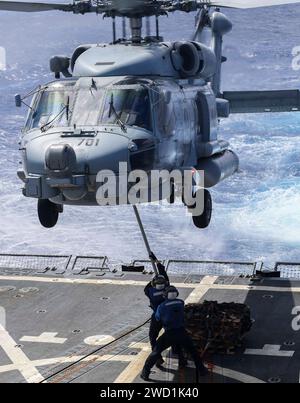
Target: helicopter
x=139, y=100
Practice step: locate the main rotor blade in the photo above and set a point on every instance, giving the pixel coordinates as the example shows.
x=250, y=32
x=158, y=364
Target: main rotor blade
x=244, y=4
x=131, y=8
x=33, y=7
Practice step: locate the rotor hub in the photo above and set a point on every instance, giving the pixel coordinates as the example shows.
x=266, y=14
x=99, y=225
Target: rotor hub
x=136, y=25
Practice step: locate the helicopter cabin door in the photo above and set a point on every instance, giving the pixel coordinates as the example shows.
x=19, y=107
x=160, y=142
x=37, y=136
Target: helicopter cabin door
x=165, y=116
x=175, y=121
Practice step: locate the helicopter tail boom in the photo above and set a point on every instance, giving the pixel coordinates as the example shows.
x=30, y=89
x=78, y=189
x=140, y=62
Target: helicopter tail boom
x=247, y=4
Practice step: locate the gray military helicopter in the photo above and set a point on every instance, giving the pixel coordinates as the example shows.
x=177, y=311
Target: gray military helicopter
x=152, y=104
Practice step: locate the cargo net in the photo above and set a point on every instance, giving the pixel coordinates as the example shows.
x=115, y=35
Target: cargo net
x=289, y=270
x=19, y=264
x=212, y=268
x=218, y=328
x=84, y=265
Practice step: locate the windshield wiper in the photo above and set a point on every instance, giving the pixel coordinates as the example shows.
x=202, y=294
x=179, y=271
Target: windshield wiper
x=66, y=108
x=67, y=105
x=47, y=125
x=112, y=109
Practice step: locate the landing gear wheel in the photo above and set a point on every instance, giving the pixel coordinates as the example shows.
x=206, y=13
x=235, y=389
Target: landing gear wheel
x=202, y=221
x=48, y=213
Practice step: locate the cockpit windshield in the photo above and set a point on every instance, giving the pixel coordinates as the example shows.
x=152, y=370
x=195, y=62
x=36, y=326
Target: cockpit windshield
x=130, y=106
x=65, y=104
x=87, y=107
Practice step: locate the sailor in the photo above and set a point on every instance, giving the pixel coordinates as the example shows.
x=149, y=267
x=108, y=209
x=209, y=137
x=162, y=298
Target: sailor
x=171, y=314
x=155, y=291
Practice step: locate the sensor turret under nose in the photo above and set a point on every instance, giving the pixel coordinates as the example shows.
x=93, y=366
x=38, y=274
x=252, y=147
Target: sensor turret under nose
x=60, y=159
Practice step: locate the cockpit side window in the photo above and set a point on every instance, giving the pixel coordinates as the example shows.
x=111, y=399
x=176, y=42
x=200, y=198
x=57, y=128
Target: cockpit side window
x=130, y=106
x=51, y=107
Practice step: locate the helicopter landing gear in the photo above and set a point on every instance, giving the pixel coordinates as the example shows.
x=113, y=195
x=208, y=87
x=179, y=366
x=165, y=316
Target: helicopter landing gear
x=202, y=221
x=48, y=213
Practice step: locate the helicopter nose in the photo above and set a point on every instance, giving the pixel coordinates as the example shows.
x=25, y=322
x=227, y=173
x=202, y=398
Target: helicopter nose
x=89, y=155
x=105, y=152
x=70, y=166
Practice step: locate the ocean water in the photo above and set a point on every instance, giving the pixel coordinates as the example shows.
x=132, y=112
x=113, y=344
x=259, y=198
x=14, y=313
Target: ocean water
x=256, y=212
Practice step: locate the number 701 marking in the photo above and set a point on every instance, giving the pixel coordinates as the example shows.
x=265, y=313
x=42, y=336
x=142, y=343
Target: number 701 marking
x=89, y=142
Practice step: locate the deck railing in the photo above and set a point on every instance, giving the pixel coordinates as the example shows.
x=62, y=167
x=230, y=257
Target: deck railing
x=19, y=264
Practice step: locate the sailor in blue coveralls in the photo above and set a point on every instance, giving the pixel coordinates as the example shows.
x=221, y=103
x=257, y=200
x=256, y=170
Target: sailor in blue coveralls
x=171, y=314
x=155, y=291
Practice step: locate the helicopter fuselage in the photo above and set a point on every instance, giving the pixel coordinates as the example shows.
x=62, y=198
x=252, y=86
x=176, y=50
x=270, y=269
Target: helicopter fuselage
x=80, y=127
